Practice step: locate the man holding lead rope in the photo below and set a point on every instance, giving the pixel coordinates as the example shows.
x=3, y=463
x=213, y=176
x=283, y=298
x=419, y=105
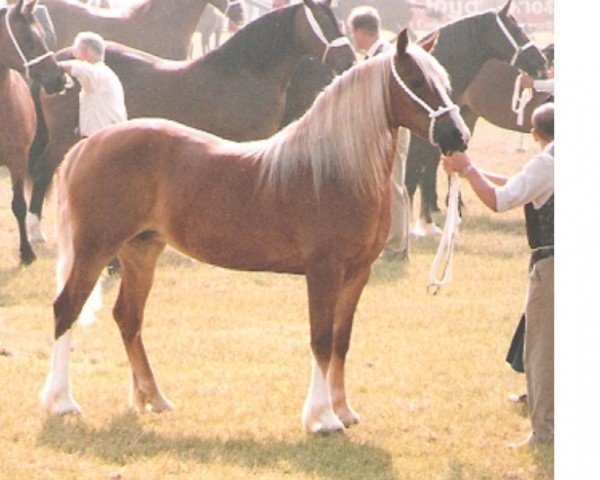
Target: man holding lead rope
x=533, y=188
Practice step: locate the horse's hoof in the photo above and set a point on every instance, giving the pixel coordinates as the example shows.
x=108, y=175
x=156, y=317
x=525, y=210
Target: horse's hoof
x=324, y=432
x=34, y=230
x=59, y=407
x=348, y=417
x=142, y=403
x=423, y=229
x=27, y=258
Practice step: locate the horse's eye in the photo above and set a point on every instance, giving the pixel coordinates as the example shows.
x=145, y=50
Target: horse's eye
x=416, y=83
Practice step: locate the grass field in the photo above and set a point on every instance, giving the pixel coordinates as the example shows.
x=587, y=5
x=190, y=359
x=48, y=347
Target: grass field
x=426, y=373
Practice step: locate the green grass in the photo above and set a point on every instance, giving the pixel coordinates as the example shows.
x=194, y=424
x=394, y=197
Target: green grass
x=230, y=349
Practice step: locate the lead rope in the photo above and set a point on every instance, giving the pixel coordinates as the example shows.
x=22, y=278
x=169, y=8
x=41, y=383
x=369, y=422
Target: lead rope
x=520, y=100
x=445, y=251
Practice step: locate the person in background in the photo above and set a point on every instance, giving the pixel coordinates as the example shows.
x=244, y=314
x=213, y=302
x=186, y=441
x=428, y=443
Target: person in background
x=101, y=99
x=364, y=29
x=533, y=188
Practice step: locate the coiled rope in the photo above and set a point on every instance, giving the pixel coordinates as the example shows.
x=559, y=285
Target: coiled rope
x=440, y=273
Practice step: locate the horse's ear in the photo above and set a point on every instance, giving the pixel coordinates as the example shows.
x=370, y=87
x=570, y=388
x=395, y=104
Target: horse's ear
x=402, y=42
x=30, y=7
x=505, y=9
x=430, y=41
x=310, y=3
x=19, y=6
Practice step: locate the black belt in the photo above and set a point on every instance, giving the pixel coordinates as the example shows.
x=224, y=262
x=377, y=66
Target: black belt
x=539, y=254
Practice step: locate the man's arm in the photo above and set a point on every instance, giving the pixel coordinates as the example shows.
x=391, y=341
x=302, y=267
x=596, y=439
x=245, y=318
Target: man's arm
x=481, y=182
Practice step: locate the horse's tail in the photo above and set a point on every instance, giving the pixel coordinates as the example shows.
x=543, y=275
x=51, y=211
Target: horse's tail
x=65, y=255
x=41, y=132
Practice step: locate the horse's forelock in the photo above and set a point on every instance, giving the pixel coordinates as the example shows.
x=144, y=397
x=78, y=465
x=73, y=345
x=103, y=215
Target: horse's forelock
x=431, y=67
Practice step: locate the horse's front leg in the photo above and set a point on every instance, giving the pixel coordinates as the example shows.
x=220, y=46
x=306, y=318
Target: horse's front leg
x=324, y=281
x=19, y=208
x=342, y=329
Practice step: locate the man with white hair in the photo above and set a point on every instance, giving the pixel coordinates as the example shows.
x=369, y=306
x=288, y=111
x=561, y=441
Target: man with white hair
x=101, y=100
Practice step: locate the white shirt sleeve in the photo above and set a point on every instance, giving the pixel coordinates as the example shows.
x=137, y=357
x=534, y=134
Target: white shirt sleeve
x=535, y=183
x=84, y=73
x=544, y=86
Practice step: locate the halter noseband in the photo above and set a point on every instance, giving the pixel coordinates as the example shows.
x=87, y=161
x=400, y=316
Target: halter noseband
x=433, y=114
x=316, y=28
x=518, y=48
x=26, y=63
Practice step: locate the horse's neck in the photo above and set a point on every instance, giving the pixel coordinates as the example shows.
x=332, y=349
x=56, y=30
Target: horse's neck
x=266, y=53
x=462, y=59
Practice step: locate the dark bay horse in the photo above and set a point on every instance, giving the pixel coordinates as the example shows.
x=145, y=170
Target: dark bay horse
x=314, y=199
x=22, y=49
x=160, y=27
x=236, y=91
x=490, y=96
x=463, y=48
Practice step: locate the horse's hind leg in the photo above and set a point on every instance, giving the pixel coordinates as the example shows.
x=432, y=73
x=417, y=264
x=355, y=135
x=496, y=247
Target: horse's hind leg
x=81, y=277
x=19, y=208
x=324, y=283
x=342, y=329
x=138, y=260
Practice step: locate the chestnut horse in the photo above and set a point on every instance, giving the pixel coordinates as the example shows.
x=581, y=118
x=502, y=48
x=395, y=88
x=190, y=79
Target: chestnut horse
x=160, y=27
x=463, y=48
x=236, y=91
x=314, y=199
x=22, y=49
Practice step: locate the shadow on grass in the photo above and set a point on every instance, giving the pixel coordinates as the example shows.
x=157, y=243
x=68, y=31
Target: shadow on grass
x=124, y=439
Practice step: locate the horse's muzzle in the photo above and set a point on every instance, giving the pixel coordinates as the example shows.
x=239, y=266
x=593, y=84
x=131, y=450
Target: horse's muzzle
x=54, y=84
x=454, y=141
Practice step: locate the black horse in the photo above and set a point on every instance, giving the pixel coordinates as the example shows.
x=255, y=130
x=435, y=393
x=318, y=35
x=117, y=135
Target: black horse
x=463, y=47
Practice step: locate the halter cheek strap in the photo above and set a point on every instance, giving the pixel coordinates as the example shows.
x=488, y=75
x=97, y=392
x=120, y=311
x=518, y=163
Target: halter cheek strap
x=518, y=48
x=316, y=28
x=26, y=63
x=433, y=114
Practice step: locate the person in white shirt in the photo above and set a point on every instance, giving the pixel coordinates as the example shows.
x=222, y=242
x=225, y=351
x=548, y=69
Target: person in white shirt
x=364, y=29
x=101, y=99
x=533, y=188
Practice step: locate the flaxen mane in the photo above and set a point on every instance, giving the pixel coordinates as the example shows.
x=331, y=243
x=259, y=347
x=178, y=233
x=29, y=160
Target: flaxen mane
x=345, y=135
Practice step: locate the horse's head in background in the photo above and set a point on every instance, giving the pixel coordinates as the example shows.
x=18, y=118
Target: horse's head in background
x=233, y=9
x=22, y=46
x=323, y=31
x=420, y=96
x=513, y=45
